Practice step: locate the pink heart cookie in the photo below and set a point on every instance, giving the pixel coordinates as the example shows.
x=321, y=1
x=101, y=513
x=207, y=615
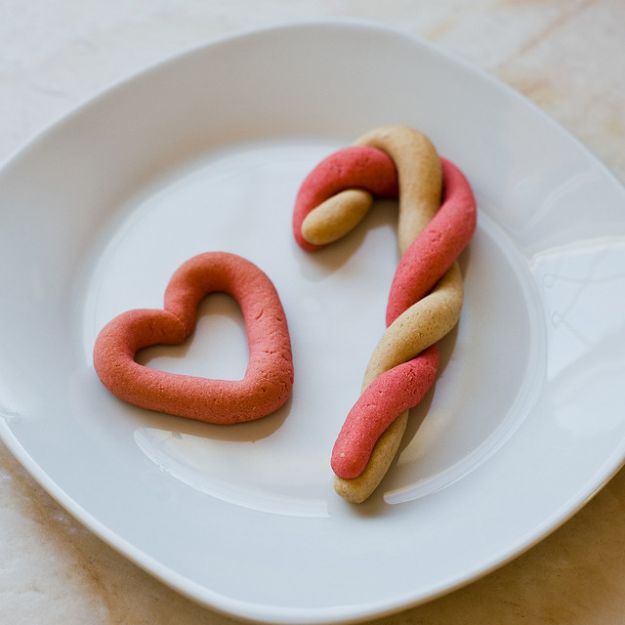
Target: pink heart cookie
x=269, y=376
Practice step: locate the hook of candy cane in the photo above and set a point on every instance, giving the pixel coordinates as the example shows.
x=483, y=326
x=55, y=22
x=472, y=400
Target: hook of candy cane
x=426, y=295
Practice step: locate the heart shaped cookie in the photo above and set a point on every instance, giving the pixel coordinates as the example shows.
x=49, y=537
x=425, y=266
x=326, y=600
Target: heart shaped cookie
x=269, y=376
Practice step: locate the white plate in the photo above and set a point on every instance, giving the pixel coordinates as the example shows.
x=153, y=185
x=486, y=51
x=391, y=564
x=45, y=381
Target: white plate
x=206, y=152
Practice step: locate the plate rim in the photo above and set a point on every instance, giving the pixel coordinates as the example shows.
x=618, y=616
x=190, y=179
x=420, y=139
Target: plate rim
x=253, y=612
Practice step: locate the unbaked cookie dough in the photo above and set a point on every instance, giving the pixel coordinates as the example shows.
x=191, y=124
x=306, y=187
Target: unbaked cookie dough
x=269, y=376
x=426, y=293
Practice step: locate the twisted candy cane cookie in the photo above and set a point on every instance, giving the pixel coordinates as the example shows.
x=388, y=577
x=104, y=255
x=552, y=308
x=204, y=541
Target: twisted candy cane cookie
x=426, y=294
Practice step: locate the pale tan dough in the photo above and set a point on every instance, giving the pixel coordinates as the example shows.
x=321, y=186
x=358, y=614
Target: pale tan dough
x=335, y=217
x=423, y=324
x=420, y=176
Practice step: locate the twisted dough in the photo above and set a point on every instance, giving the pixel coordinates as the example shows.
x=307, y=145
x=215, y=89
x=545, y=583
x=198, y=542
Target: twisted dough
x=426, y=295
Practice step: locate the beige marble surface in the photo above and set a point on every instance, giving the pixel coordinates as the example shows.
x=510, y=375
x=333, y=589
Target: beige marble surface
x=566, y=55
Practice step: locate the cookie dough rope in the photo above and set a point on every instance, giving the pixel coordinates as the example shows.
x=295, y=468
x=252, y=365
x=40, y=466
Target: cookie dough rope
x=269, y=375
x=326, y=209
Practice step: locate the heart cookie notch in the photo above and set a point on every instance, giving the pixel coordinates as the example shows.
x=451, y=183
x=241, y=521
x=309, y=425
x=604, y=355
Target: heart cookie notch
x=268, y=379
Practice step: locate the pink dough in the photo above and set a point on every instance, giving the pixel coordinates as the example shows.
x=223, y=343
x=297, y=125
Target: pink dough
x=269, y=376
x=436, y=248
x=349, y=168
x=390, y=394
x=427, y=259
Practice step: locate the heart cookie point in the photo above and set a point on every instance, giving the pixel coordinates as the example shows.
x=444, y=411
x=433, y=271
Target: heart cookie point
x=268, y=379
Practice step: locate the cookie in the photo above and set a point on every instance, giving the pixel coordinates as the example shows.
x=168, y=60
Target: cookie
x=426, y=294
x=268, y=379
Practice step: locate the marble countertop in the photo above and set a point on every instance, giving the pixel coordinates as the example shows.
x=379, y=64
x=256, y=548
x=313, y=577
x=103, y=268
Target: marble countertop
x=568, y=56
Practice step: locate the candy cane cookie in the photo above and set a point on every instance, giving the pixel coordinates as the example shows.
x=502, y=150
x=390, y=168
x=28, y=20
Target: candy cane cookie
x=426, y=294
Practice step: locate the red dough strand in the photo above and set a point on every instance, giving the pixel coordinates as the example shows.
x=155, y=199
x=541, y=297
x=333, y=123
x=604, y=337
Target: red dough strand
x=390, y=394
x=427, y=259
x=269, y=376
x=356, y=167
x=436, y=248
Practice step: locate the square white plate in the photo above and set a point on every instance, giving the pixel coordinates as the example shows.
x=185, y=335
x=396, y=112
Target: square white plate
x=206, y=152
